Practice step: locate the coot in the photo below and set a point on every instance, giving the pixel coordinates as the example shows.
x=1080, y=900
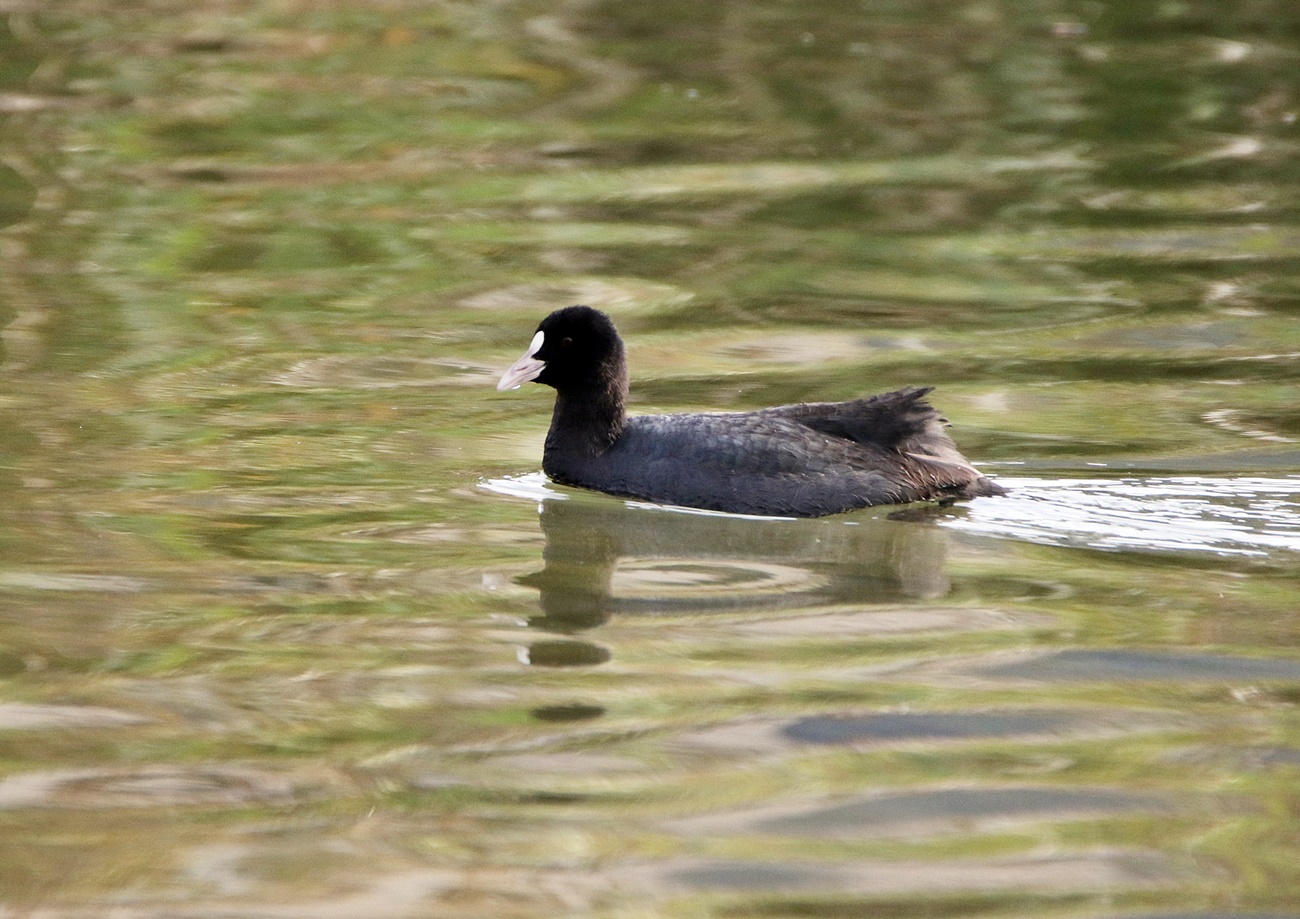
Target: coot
x=805, y=460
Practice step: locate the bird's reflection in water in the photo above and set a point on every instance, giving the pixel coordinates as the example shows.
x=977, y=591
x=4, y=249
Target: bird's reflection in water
x=605, y=557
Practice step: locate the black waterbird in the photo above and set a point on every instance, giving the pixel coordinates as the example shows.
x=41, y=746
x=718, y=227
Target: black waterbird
x=804, y=460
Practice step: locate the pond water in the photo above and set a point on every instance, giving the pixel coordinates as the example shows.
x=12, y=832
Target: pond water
x=292, y=625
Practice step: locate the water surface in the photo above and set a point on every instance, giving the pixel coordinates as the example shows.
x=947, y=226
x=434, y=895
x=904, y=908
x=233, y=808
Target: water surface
x=291, y=624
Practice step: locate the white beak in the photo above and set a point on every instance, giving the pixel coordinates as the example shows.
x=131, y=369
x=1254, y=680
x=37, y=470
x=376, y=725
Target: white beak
x=526, y=368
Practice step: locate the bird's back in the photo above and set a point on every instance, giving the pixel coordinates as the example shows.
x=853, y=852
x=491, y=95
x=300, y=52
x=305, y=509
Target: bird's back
x=801, y=460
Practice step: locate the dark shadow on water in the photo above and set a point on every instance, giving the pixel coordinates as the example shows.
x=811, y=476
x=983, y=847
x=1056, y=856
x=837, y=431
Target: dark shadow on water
x=1121, y=664
x=572, y=712
x=605, y=558
x=911, y=726
x=875, y=815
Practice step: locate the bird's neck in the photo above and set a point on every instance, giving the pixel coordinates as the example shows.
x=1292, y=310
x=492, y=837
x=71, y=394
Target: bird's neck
x=590, y=423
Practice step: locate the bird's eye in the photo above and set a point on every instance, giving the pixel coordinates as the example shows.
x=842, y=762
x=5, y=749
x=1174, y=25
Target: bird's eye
x=565, y=342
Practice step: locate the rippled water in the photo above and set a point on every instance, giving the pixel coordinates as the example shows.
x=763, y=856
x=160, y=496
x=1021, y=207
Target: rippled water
x=1227, y=516
x=291, y=625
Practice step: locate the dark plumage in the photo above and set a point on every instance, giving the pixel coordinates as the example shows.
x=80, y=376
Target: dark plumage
x=803, y=460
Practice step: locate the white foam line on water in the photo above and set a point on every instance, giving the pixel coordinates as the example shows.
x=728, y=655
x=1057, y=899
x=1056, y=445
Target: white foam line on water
x=1244, y=515
x=534, y=486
